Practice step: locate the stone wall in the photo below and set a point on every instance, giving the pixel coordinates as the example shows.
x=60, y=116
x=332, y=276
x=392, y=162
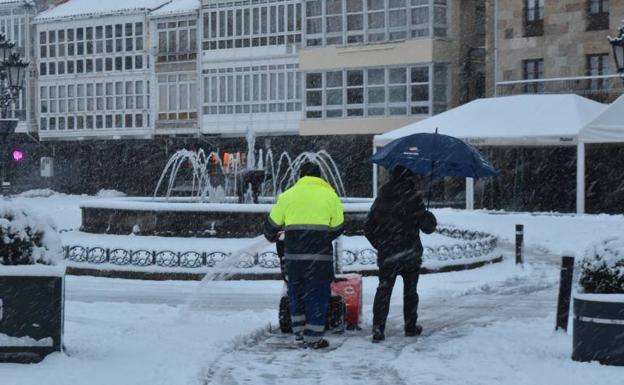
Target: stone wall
x=564, y=46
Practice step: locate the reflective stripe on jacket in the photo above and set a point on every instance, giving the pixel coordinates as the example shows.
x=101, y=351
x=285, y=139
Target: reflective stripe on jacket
x=312, y=216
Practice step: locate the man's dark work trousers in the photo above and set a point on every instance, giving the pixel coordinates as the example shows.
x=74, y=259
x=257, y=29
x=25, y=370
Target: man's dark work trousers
x=308, y=300
x=387, y=277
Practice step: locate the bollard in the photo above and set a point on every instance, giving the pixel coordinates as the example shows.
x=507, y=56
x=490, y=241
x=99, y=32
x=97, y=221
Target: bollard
x=565, y=293
x=519, y=244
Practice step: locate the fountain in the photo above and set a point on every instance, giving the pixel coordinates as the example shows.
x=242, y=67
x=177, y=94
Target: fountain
x=202, y=194
x=246, y=180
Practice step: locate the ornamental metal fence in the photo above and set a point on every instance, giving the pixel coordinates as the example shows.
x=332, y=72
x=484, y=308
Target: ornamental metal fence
x=474, y=244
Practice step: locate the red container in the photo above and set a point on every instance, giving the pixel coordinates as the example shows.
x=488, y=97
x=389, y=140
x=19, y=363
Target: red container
x=349, y=287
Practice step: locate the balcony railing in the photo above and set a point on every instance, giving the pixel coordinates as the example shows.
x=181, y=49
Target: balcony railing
x=603, y=89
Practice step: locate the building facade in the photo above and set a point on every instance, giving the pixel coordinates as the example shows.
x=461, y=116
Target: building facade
x=94, y=72
x=548, y=46
x=250, y=67
x=350, y=67
x=372, y=66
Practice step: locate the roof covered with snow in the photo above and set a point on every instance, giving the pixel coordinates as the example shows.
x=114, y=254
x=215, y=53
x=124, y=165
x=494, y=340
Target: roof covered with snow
x=16, y=2
x=608, y=127
x=86, y=8
x=177, y=7
x=510, y=120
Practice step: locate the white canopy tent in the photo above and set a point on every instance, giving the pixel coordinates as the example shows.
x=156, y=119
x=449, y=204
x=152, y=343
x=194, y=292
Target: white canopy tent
x=608, y=127
x=522, y=120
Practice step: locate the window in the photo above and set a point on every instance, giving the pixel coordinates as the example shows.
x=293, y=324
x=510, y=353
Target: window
x=91, y=104
x=256, y=89
x=440, y=88
x=177, y=41
x=176, y=97
x=533, y=70
x=334, y=94
x=598, y=6
x=314, y=94
x=534, y=17
x=234, y=25
x=598, y=65
x=397, y=91
x=89, y=44
x=355, y=21
x=374, y=92
x=359, y=21
x=597, y=15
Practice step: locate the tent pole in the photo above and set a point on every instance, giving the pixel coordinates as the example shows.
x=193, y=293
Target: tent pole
x=580, y=178
x=469, y=193
x=375, y=175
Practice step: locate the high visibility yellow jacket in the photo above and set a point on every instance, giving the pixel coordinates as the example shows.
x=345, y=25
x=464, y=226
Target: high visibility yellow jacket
x=312, y=216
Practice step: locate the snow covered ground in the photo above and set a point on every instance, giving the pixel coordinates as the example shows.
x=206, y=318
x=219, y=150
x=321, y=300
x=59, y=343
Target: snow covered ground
x=492, y=325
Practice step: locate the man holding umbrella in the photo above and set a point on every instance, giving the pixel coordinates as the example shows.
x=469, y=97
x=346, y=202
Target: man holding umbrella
x=392, y=227
x=399, y=214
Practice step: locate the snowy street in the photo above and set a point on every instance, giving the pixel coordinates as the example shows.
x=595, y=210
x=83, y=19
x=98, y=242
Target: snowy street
x=135, y=332
x=489, y=325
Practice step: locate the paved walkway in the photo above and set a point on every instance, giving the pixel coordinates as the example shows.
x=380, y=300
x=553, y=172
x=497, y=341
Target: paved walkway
x=356, y=360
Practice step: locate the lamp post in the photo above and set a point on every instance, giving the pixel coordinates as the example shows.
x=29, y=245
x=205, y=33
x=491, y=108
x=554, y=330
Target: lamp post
x=12, y=76
x=617, y=43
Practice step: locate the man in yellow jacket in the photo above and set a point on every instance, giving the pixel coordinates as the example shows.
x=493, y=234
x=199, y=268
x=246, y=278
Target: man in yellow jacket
x=311, y=215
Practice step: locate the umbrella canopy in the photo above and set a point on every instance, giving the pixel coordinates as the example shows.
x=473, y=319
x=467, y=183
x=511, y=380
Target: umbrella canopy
x=434, y=155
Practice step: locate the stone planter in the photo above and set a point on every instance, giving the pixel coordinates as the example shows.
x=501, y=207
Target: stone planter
x=599, y=328
x=31, y=312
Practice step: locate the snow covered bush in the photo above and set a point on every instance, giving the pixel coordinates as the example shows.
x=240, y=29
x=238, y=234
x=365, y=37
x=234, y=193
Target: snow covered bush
x=104, y=193
x=38, y=193
x=602, y=269
x=26, y=237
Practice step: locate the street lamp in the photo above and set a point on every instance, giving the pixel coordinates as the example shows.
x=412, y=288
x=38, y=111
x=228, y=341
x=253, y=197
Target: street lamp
x=6, y=47
x=12, y=75
x=617, y=43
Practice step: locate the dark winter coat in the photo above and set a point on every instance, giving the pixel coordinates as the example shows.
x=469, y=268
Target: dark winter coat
x=394, y=222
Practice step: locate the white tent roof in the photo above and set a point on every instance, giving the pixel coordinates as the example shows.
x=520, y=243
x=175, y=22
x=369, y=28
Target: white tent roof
x=510, y=120
x=608, y=127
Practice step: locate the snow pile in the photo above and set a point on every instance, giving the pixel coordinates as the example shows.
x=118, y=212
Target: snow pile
x=603, y=267
x=38, y=193
x=513, y=352
x=27, y=237
x=105, y=193
x=8, y=341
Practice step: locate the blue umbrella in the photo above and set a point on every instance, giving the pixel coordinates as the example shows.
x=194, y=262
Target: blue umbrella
x=434, y=155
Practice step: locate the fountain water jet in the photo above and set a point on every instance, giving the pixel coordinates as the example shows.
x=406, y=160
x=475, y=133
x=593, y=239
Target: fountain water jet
x=273, y=181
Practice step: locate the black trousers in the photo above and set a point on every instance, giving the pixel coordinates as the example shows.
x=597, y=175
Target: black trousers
x=381, y=306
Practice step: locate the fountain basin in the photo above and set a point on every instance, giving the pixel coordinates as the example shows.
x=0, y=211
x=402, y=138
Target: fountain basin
x=185, y=217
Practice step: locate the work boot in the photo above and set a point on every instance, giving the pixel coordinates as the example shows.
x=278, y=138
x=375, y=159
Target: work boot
x=299, y=338
x=413, y=332
x=320, y=344
x=378, y=334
